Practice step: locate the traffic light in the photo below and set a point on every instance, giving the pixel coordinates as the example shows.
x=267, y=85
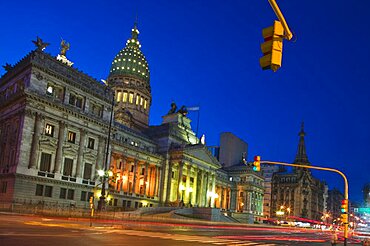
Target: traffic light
x=272, y=48
x=91, y=201
x=344, y=206
x=257, y=163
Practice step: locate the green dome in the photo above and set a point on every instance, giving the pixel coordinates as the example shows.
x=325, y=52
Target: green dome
x=130, y=60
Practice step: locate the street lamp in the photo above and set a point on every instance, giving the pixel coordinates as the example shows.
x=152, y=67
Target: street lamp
x=101, y=203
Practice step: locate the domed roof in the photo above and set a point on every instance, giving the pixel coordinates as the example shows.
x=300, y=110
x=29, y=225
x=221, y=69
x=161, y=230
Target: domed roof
x=130, y=60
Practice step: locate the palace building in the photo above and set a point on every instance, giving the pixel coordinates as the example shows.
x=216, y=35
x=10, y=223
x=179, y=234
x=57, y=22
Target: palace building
x=55, y=122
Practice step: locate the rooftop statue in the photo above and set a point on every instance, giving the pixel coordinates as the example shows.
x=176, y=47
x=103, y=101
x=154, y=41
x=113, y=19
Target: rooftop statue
x=173, y=108
x=183, y=110
x=40, y=44
x=64, y=46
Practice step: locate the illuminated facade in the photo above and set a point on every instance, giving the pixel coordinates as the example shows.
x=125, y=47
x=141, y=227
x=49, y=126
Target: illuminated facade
x=54, y=123
x=298, y=193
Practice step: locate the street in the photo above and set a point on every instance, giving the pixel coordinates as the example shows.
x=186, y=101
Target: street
x=35, y=230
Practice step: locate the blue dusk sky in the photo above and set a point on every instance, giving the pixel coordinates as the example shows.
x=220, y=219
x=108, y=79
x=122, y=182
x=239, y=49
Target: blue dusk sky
x=207, y=53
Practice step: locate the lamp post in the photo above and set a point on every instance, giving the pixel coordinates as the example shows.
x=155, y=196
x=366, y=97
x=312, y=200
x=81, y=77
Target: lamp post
x=101, y=203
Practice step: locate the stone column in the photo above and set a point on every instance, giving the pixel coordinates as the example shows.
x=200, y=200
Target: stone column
x=233, y=197
x=80, y=153
x=206, y=202
x=158, y=182
x=179, y=180
x=99, y=159
x=195, y=193
x=59, y=154
x=122, y=172
x=35, y=140
x=128, y=167
x=136, y=162
x=221, y=196
x=169, y=182
x=224, y=197
x=200, y=189
x=187, y=184
x=146, y=176
x=155, y=172
x=213, y=190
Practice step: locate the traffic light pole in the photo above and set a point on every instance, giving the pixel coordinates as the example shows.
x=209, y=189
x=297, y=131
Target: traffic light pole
x=280, y=16
x=345, y=232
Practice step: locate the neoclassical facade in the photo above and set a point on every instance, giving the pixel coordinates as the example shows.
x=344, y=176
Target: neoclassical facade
x=298, y=193
x=54, y=127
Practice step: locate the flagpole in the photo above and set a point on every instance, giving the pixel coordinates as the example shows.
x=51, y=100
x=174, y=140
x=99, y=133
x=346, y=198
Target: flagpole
x=198, y=122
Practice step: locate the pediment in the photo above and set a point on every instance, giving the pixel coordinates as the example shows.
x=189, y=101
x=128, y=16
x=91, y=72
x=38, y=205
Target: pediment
x=200, y=153
x=48, y=142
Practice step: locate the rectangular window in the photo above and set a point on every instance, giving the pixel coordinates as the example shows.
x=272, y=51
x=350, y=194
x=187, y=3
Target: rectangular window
x=143, y=171
x=145, y=103
x=75, y=100
x=50, y=90
x=48, y=191
x=39, y=190
x=131, y=98
x=83, y=196
x=55, y=91
x=63, y=193
x=68, y=166
x=124, y=96
x=72, y=99
x=91, y=143
x=128, y=204
x=137, y=99
x=49, y=130
x=70, y=194
x=45, y=162
x=132, y=168
x=184, y=178
x=141, y=101
x=87, y=171
x=115, y=202
x=71, y=137
x=191, y=179
x=79, y=102
x=96, y=110
x=59, y=93
x=119, y=96
x=4, y=186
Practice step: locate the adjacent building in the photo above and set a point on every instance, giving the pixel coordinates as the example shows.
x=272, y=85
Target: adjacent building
x=298, y=193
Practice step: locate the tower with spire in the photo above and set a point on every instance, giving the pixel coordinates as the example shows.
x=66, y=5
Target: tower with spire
x=301, y=156
x=129, y=77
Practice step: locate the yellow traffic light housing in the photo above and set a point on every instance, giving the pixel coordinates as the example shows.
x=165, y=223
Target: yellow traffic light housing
x=91, y=201
x=257, y=163
x=272, y=48
x=344, y=218
x=344, y=206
